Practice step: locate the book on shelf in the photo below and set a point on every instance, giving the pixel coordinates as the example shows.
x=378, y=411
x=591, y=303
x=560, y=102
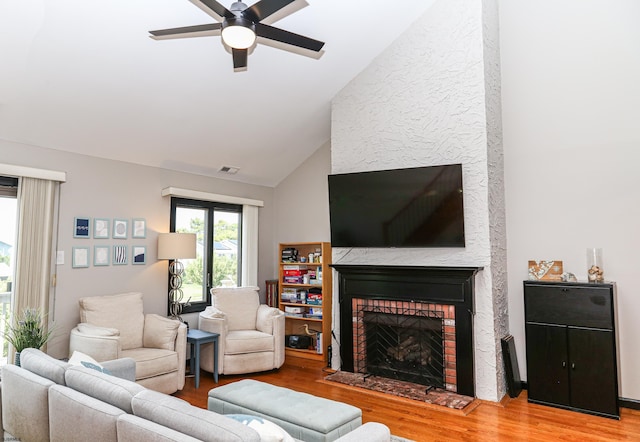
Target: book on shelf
x=272, y=292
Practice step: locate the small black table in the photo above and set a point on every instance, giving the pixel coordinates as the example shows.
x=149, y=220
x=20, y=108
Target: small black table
x=196, y=338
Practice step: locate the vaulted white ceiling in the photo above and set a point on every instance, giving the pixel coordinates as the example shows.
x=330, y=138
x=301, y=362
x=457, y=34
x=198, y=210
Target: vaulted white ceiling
x=85, y=77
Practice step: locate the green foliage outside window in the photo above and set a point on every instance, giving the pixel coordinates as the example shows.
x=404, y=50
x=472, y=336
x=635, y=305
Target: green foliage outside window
x=225, y=267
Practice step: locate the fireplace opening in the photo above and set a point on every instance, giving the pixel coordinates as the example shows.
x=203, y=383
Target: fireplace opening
x=405, y=347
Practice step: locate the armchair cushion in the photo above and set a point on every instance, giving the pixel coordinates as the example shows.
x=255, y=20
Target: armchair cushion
x=123, y=312
x=240, y=304
x=248, y=341
x=160, y=332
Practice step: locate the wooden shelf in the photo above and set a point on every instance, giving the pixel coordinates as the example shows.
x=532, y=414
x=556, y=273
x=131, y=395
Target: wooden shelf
x=297, y=304
x=303, y=319
x=302, y=353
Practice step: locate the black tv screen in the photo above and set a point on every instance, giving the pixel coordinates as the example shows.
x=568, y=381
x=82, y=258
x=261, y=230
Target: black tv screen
x=415, y=207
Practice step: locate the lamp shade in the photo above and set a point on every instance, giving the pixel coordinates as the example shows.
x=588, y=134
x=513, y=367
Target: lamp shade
x=176, y=246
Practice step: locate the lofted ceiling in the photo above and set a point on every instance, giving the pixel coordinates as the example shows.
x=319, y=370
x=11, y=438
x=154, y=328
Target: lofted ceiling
x=85, y=77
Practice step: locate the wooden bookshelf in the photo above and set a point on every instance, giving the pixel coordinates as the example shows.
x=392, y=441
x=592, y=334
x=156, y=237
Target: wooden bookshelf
x=296, y=292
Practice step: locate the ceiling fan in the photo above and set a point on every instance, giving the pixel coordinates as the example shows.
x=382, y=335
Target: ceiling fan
x=240, y=26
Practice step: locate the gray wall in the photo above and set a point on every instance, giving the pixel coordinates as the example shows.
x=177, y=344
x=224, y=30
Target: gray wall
x=571, y=113
x=302, y=201
x=111, y=189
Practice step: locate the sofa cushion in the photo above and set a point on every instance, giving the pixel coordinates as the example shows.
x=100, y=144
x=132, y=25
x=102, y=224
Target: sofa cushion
x=247, y=341
x=240, y=305
x=43, y=365
x=152, y=361
x=24, y=402
x=135, y=429
x=196, y=422
x=110, y=389
x=160, y=332
x=74, y=416
x=123, y=312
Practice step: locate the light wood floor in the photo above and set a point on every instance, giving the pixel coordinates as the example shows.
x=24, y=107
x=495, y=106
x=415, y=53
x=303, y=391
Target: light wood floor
x=511, y=420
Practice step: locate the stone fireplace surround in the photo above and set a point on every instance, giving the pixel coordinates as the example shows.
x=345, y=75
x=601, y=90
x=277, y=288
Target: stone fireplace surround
x=452, y=286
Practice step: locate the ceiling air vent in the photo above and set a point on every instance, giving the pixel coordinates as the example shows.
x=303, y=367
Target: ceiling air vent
x=229, y=169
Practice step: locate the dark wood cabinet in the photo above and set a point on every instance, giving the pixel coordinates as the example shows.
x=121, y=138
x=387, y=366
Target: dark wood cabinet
x=571, y=346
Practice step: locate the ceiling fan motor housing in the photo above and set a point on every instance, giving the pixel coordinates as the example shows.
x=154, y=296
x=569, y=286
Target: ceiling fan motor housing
x=237, y=7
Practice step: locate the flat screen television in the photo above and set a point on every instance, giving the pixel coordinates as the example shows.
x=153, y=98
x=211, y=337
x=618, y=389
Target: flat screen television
x=414, y=207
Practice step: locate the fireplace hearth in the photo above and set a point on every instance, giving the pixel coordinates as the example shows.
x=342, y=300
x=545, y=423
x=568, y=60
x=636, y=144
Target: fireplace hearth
x=408, y=323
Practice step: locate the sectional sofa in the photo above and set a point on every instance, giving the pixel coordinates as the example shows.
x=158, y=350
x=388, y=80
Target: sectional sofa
x=47, y=399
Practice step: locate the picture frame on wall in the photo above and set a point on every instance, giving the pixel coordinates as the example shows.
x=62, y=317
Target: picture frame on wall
x=139, y=229
x=119, y=255
x=80, y=257
x=120, y=228
x=101, y=228
x=101, y=255
x=81, y=227
x=139, y=255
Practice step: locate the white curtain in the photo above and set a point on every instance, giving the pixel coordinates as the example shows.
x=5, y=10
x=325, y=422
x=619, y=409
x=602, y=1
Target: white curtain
x=249, y=245
x=36, y=219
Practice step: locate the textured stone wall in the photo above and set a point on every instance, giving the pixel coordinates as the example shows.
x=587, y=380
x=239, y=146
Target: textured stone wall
x=433, y=98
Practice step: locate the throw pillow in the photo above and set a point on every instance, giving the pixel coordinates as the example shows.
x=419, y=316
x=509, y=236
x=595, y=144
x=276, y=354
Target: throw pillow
x=212, y=312
x=79, y=358
x=160, y=332
x=268, y=431
x=94, y=330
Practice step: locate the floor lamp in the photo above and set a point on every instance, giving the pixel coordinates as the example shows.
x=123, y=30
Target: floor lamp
x=176, y=246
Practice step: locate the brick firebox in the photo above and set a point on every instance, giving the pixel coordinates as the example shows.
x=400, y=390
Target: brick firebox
x=442, y=286
x=439, y=368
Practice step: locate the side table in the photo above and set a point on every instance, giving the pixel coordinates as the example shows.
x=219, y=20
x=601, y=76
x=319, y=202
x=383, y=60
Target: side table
x=196, y=338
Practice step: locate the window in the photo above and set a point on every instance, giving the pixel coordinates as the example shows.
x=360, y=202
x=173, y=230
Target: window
x=8, y=221
x=218, y=261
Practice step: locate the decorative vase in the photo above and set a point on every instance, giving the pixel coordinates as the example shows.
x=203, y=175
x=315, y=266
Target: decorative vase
x=595, y=272
x=17, y=359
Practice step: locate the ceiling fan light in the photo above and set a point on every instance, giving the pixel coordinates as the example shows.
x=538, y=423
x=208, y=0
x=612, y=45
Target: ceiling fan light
x=238, y=37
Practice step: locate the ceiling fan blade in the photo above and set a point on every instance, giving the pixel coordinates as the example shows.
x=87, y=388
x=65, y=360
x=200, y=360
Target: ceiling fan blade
x=287, y=37
x=264, y=8
x=187, y=31
x=239, y=58
x=209, y=6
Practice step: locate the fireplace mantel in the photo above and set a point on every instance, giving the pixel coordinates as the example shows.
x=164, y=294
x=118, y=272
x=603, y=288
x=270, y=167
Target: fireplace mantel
x=441, y=285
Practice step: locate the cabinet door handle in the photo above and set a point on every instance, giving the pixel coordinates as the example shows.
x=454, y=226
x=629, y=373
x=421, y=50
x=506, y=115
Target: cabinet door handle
x=573, y=366
x=564, y=364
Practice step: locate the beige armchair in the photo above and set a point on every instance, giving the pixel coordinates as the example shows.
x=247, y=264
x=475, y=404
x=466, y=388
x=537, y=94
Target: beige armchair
x=115, y=326
x=251, y=334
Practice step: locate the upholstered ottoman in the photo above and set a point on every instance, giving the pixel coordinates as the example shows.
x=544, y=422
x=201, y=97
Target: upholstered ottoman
x=303, y=416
